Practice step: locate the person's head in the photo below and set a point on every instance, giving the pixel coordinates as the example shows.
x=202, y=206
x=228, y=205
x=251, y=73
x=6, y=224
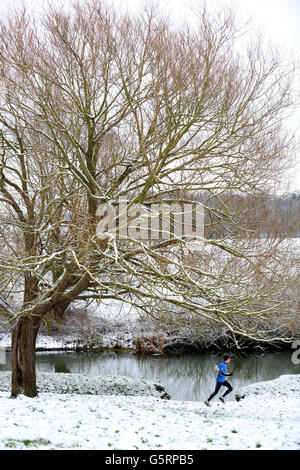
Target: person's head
x=226, y=358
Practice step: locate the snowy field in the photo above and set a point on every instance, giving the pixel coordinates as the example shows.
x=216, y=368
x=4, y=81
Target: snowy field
x=267, y=418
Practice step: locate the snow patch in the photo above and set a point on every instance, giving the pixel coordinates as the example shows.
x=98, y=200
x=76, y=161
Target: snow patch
x=83, y=384
x=285, y=386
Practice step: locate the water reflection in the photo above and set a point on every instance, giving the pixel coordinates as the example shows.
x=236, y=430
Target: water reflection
x=186, y=377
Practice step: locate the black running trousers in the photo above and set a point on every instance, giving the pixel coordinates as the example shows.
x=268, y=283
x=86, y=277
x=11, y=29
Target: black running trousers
x=218, y=386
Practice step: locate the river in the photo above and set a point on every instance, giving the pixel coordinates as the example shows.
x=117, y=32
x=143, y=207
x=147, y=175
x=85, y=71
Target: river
x=185, y=377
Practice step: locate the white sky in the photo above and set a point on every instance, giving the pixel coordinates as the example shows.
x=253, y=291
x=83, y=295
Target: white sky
x=278, y=19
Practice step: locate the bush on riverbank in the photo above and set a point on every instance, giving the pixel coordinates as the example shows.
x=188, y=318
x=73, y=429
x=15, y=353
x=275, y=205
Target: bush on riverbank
x=94, y=330
x=202, y=338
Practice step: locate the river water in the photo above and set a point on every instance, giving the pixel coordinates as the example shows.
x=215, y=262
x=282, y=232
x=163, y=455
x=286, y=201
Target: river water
x=185, y=377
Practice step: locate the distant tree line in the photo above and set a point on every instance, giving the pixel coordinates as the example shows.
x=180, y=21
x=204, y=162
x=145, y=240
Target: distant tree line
x=259, y=216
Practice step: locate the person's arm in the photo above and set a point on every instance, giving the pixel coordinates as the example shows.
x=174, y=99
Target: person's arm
x=223, y=372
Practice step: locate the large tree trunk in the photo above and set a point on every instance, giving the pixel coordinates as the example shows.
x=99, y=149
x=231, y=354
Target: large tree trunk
x=24, y=336
x=23, y=356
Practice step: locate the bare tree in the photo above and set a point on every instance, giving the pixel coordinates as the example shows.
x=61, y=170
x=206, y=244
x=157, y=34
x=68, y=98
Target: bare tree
x=98, y=106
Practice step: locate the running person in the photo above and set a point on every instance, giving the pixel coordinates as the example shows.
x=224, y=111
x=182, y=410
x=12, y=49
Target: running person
x=221, y=381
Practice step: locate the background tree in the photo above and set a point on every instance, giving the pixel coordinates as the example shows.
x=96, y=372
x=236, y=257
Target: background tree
x=98, y=105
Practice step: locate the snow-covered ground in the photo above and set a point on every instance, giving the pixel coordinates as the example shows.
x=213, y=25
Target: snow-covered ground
x=86, y=384
x=263, y=420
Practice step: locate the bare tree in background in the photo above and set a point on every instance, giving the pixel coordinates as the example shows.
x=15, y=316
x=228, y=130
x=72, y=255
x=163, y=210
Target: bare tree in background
x=98, y=106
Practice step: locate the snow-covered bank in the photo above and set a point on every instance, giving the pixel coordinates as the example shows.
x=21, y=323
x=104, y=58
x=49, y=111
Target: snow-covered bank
x=110, y=327
x=284, y=386
x=115, y=326
x=83, y=384
x=55, y=421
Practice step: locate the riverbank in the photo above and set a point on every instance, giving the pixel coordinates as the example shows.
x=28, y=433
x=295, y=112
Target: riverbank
x=56, y=421
x=120, y=329
x=86, y=384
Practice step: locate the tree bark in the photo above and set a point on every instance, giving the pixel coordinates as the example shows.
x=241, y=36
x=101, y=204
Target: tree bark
x=23, y=356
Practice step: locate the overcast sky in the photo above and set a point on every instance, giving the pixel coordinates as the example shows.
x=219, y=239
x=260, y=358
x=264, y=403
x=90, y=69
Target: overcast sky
x=278, y=19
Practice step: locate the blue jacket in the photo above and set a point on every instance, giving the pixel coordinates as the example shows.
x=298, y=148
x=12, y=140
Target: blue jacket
x=222, y=370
